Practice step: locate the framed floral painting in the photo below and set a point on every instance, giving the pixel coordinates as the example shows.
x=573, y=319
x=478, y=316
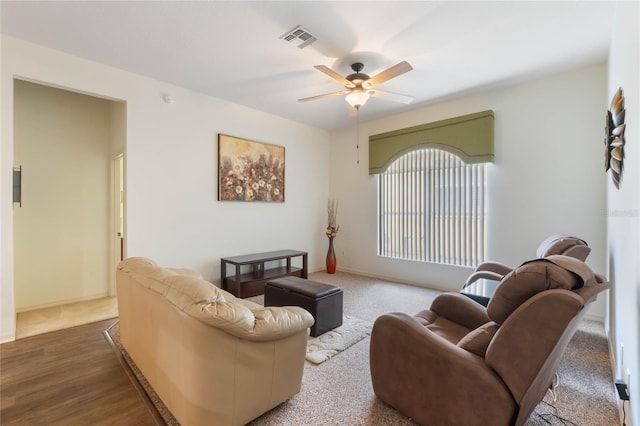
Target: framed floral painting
x=249, y=170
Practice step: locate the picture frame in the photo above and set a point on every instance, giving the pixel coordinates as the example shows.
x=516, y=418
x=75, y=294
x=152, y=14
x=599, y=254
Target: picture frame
x=250, y=170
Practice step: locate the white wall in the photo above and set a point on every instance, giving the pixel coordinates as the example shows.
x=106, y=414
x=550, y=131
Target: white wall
x=61, y=247
x=173, y=215
x=547, y=177
x=623, y=205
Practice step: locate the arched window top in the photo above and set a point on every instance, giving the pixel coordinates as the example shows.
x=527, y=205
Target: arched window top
x=455, y=154
x=469, y=137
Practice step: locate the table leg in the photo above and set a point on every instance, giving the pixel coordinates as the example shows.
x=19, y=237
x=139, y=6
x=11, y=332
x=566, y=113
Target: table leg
x=223, y=274
x=304, y=266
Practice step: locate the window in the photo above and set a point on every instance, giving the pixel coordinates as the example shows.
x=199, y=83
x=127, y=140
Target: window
x=432, y=209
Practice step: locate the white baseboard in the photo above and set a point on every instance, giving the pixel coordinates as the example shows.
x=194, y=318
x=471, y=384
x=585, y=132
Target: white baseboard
x=394, y=279
x=61, y=302
x=7, y=338
x=596, y=318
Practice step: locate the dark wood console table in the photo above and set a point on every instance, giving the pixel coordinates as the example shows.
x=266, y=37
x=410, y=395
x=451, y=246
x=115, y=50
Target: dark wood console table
x=251, y=283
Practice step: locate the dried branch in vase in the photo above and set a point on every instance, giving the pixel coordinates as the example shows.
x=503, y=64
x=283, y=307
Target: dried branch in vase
x=332, y=214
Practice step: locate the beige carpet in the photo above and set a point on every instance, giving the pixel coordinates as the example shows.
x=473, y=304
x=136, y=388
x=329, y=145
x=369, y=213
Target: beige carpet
x=339, y=392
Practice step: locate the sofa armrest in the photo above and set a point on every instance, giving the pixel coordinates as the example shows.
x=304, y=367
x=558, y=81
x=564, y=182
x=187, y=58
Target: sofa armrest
x=264, y=324
x=432, y=380
x=275, y=322
x=460, y=309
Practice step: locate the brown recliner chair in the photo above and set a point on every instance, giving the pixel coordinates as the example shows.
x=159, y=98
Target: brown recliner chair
x=565, y=245
x=459, y=363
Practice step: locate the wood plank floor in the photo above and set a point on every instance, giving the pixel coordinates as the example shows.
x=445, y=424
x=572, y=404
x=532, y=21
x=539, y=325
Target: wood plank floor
x=68, y=377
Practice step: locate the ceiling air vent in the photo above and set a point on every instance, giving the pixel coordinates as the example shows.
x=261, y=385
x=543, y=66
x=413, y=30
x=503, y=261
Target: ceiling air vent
x=300, y=34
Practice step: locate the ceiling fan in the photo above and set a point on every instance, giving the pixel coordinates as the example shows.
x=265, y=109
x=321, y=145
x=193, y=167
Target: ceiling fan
x=359, y=86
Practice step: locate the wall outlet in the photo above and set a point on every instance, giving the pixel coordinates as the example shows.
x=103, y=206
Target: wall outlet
x=623, y=390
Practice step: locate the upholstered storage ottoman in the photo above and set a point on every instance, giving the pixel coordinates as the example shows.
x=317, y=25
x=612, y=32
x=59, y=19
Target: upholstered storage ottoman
x=323, y=301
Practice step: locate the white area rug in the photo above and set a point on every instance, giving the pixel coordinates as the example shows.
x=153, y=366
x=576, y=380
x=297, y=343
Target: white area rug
x=323, y=347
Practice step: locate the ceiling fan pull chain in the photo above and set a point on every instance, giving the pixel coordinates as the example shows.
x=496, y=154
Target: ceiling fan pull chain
x=358, y=134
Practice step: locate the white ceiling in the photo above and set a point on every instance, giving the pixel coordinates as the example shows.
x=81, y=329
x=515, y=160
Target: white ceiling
x=233, y=50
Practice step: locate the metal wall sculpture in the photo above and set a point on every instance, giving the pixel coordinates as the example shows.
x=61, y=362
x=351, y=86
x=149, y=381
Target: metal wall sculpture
x=614, y=138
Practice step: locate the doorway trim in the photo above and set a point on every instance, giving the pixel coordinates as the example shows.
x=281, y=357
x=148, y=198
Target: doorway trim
x=117, y=221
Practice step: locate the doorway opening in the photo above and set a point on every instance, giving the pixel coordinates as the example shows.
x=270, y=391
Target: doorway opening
x=70, y=146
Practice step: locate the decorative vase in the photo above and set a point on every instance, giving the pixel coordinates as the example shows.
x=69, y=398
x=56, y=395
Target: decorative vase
x=331, y=258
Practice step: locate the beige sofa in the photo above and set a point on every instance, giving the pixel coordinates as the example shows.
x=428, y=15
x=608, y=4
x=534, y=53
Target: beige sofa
x=212, y=358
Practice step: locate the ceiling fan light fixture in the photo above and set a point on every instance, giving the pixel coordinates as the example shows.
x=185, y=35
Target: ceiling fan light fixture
x=357, y=98
x=359, y=86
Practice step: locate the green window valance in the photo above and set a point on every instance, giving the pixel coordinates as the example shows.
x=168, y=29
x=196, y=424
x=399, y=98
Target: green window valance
x=469, y=137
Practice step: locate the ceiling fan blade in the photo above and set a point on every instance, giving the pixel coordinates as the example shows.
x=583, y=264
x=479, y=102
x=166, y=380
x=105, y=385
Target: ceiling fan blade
x=388, y=74
x=326, y=95
x=396, y=97
x=331, y=73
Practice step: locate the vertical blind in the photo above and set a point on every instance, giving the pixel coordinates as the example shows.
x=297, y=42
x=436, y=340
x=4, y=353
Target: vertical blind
x=432, y=209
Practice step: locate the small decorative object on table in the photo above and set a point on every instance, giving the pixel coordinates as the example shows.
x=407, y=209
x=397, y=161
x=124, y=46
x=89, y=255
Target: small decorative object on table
x=332, y=232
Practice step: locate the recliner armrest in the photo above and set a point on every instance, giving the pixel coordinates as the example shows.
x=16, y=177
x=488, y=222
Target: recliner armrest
x=496, y=267
x=460, y=309
x=480, y=275
x=489, y=270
